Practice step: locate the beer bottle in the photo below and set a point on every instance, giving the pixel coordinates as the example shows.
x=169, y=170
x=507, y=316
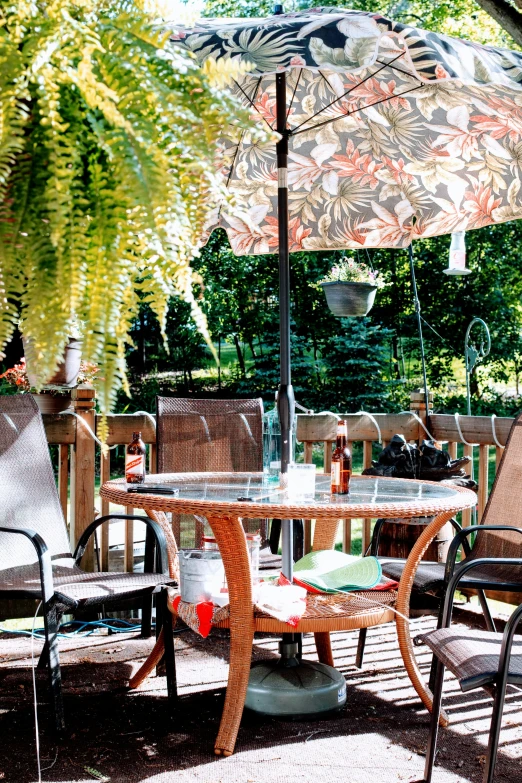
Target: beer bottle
x=341, y=462
x=135, y=460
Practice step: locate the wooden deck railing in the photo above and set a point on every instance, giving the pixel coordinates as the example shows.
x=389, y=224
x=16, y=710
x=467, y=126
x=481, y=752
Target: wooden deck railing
x=80, y=458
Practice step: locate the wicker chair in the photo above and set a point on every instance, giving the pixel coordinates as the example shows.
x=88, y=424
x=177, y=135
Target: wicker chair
x=35, y=555
x=198, y=435
x=504, y=509
x=481, y=659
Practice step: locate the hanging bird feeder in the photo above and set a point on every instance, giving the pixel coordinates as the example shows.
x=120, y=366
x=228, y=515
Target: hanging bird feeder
x=457, y=255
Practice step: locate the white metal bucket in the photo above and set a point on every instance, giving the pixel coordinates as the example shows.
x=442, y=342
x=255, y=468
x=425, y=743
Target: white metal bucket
x=201, y=574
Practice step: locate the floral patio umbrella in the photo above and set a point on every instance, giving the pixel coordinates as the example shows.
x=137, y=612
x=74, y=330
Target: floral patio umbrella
x=386, y=133
x=394, y=133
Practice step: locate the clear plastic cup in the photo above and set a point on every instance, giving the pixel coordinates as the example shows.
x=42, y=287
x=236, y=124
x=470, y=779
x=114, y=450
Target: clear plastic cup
x=301, y=480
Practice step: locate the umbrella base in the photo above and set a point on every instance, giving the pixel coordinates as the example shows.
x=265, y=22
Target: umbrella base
x=289, y=688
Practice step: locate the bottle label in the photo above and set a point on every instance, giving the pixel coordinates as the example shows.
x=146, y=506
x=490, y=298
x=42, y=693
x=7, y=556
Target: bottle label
x=135, y=465
x=336, y=474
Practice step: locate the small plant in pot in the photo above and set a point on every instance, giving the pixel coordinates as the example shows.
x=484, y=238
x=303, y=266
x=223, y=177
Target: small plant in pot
x=53, y=398
x=350, y=288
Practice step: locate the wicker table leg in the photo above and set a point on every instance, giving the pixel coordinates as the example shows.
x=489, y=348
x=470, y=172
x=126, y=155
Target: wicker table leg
x=231, y=540
x=403, y=606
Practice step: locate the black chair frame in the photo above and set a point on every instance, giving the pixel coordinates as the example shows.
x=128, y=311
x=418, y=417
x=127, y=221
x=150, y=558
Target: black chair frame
x=499, y=682
x=53, y=603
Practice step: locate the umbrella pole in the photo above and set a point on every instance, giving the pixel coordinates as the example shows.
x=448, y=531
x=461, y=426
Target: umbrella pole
x=285, y=397
x=419, y=327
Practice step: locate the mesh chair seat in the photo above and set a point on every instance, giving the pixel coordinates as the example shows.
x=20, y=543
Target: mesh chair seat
x=473, y=656
x=75, y=588
x=430, y=575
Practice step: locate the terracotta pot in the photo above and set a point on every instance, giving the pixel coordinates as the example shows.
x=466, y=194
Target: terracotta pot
x=349, y=299
x=51, y=403
x=67, y=372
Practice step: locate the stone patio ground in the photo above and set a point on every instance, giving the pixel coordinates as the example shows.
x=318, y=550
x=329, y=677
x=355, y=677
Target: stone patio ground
x=120, y=736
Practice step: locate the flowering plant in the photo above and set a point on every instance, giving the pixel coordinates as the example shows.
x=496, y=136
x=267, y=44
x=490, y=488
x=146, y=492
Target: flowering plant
x=17, y=375
x=347, y=270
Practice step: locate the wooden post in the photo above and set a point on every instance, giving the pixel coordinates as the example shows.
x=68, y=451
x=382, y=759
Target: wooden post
x=367, y=523
x=327, y=451
x=418, y=406
x=83, y=470
x=63, y=476
x=105, y=474
x=466, y=514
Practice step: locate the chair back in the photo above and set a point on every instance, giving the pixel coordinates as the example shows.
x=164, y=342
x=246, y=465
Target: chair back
x=504, y=506
x=28, y=494
x=208, y=436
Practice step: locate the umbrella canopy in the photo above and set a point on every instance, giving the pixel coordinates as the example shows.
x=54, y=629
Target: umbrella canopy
x=393, y=133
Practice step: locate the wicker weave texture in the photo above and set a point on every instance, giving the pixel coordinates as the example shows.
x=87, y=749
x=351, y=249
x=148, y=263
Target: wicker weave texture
x=208, y=436
x=328, y=613
x=28, y=494
x=473, y=656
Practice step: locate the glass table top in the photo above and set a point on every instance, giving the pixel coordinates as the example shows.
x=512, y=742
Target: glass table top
x=256, y=488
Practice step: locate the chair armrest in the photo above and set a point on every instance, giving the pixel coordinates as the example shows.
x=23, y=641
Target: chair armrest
x=463, y=569
x=44, y=558
x=507, y=642
x=461, y=537
x=156, y=529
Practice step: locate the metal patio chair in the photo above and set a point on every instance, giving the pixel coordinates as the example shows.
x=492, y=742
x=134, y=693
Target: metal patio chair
x=480, y=659
x=504, y=512
x=35, y=555
x=211, y=436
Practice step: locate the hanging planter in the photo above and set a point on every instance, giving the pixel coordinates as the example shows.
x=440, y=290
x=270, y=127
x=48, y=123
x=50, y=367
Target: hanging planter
x=350, y=288
x=349, y=299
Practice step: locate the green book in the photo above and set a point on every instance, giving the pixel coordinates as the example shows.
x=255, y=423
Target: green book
x=329, y=571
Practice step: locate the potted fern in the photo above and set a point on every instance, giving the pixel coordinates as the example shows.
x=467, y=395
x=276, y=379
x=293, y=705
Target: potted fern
x=350, y=288
x=108, y=137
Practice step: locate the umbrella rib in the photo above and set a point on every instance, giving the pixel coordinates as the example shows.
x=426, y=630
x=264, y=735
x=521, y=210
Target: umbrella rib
x=251, y=102
x=400, y=70
x=231, y=170
x=361, y=108
x=294, y=92
x=340, y=97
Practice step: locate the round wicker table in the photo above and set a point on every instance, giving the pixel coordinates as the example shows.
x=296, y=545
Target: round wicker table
x=225, y=498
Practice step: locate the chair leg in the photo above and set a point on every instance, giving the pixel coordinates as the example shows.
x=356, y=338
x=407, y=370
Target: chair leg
x=490, y=623
x=361, y=644
x=170, y=656
x=51, y=622
x=434, y=725
x=275, y=535
x=43, y=660
x=494, y=733
x=148, y=567
x=162, y=614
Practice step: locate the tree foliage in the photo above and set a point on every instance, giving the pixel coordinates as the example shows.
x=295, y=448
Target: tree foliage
x=107, y=143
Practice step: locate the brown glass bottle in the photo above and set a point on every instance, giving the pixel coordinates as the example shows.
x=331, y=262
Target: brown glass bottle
x=341, y=462
x=135, y=460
